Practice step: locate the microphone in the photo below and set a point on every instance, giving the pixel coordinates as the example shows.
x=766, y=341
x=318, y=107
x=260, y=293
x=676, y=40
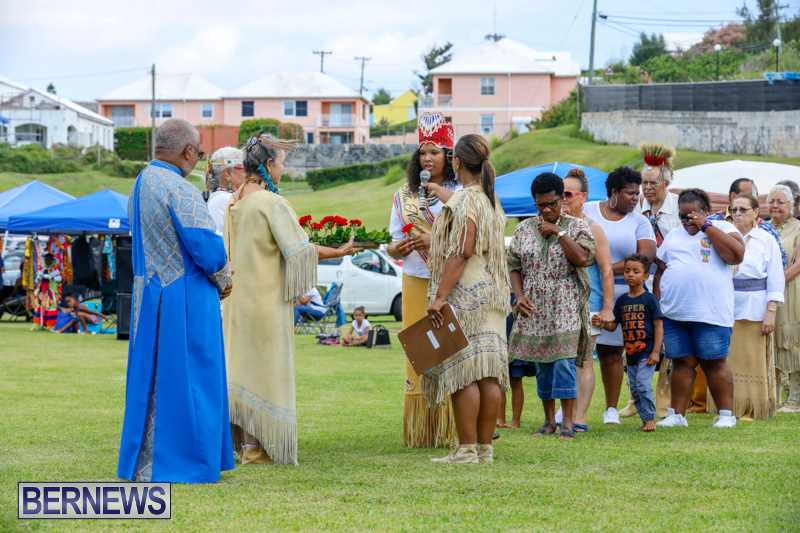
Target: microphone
x=424, y=178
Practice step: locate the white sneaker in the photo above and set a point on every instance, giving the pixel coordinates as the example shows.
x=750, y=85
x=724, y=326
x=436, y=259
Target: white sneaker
x=559, y=416
x=673, y=420
x=611, y=416
x=725, y=420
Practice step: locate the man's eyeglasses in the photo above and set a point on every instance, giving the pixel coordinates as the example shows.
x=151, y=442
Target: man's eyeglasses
x=735, y=210
x=549, y=205
x=200, y=153
x=646, y=184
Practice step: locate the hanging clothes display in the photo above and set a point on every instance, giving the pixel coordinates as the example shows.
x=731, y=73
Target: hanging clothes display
x=109, y=257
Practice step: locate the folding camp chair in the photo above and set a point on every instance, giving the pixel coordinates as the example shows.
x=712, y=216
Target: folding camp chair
x=98, y=328
x=309, y=324
x=16, y=309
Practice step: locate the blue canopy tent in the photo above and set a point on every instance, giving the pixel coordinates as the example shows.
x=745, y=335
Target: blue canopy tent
x=514, y=189
x=29, y=197
x=103, y=212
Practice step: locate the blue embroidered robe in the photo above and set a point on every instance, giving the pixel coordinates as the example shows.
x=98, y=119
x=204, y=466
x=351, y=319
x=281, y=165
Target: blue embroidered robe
x=176, y=425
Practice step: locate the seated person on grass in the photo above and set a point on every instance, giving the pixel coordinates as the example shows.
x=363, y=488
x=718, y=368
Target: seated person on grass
x=80, y=313
x=359, y=329
x=310, y=303
x=643, y=333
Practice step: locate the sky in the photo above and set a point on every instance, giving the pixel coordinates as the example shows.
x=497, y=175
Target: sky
x=87, y=48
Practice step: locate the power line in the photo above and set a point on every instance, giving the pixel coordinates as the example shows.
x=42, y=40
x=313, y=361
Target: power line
x=363, y=62
x=85, y=75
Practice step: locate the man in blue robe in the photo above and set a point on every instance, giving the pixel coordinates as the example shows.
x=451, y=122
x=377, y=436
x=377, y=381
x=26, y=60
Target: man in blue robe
x=176, y=425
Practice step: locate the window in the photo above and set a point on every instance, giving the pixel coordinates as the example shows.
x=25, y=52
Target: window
x=363, y=111
x=162, y=110
x=207, y=110
x=487, y=86
x=295, y=108
x=248, y=108
x=309, y=137
x=487, y=123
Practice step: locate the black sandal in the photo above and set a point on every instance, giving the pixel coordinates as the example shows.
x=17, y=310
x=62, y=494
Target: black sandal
x=567, y=433
x=543, y=430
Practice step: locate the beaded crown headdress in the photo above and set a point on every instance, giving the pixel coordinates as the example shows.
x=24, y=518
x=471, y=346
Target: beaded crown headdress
x=433, y=129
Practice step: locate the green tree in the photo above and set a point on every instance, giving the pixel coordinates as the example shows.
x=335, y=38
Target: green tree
x=381, y=97
x=434, y=57
x=761, y=28
x=648, y=47
x=51, y=88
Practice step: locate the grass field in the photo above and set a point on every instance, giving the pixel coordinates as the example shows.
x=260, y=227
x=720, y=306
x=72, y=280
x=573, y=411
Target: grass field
x=63, y=399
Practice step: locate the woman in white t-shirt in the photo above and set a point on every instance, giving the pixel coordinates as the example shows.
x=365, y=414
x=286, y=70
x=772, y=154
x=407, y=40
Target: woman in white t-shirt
x=695, y=283
x=627, y=233
x=224, y=174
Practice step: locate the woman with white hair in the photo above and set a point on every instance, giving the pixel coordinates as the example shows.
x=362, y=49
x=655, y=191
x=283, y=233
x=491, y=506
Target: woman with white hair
x=224, y=174
x=787, y=321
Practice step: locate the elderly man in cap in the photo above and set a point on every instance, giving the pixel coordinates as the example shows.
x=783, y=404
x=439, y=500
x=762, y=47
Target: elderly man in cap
x=176, y=425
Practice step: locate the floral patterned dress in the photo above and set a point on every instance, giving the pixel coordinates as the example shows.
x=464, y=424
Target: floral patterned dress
x=559, y=325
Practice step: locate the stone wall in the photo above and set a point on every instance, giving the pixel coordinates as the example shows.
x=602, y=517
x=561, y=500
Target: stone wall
x=774, y=133
x=337, y=155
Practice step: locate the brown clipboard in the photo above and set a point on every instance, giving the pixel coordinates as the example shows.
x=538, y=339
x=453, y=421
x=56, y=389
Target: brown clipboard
x=426, y=347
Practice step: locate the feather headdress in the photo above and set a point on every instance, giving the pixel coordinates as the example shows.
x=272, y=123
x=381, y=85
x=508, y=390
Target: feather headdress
x=288, y=145
x=656, y=154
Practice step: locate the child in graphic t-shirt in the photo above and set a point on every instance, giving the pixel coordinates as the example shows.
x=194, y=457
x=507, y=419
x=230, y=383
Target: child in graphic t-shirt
x=642, y=332
x=359, y=329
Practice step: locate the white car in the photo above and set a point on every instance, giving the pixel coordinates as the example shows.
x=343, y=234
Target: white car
x=370, y=279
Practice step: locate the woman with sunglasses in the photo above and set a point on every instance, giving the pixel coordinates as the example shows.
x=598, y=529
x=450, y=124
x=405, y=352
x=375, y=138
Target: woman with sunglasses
x=757, y=292
x=547, y=261
x=601, y=281
x=628, y=233
x=694, y=282
x=224, y=174
x=787, y=321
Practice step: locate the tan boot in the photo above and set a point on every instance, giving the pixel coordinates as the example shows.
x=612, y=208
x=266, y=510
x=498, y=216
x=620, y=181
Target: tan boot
x=461, y=454
x=255, y=456
x=630, y=410
x=485, y=453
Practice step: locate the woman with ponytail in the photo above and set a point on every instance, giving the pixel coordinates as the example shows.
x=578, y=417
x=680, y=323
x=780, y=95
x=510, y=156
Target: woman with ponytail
x=468, y=271
x=274, y=264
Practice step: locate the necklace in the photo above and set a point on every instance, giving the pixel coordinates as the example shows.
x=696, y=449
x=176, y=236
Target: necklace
x=780, y=230
x=471, y=183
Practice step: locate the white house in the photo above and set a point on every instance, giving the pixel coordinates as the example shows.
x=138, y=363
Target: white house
x=34, y=116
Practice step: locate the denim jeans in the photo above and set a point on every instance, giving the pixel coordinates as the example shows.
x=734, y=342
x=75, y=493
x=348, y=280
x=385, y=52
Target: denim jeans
x=640, y=378
x=308, y=310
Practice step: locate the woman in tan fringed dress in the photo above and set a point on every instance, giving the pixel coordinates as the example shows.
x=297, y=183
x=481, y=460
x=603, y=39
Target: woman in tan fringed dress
x=274, y=263
x=787, y=322
x=468, y=271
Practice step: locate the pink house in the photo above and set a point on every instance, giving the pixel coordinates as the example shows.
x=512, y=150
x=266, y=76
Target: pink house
x=183, y=96
x=329, y=112
x=499, y=86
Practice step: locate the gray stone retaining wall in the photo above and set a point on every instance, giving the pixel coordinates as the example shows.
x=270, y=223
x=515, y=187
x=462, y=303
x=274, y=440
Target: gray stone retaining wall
x=337, y=155
x=774, y=133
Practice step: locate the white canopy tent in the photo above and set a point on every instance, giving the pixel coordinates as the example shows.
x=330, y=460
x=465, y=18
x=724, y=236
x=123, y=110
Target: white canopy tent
x=716, y=178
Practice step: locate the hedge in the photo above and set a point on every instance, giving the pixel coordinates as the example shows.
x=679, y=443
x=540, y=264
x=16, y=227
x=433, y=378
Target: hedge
x=133, y=143
x=34, y=159
x=112, y=165
x=327, y=177
x=283, y=130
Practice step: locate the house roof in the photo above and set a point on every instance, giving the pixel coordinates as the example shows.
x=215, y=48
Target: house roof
x=168, y=87
x=69, y=104
x=295, y=85
x=509, y=56
x=10, y=89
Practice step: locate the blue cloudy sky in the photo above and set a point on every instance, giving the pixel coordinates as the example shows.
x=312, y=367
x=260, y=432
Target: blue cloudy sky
x=89, y=47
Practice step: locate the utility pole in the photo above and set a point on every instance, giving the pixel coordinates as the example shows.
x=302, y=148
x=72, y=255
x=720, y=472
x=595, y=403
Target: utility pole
x=153, y=116
x=363, y=62
x=778, y=24
x=591, y=46
x=322, y=54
